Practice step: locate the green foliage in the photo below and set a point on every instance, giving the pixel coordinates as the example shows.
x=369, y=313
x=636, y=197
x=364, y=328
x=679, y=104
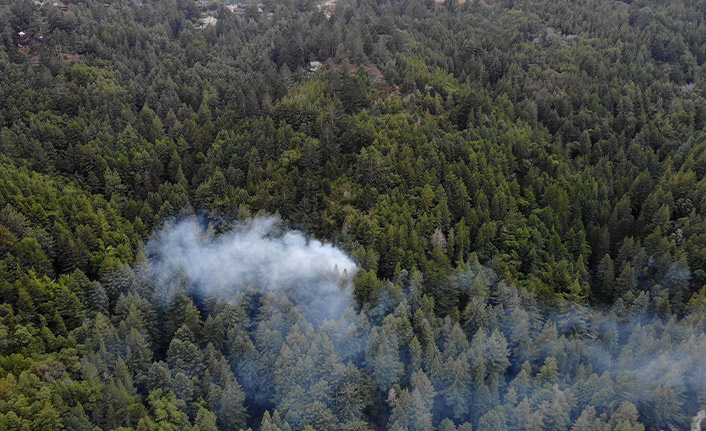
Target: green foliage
x=453, y=150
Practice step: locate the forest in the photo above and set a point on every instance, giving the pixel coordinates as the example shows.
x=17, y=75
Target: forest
x=404, y=215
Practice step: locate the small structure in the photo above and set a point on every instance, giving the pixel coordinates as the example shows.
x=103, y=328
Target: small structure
x=205, y=22
x=25, y=39
x=327, y=8
x=238, y=8
x=241, y=8
x=314, y=66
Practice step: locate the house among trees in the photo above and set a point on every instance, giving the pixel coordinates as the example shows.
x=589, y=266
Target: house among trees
x=241, y=8
x=205, y=22
x=314, y=66
x=25, y=39
x=238, y=8
x=327, y=8
x=61, y=6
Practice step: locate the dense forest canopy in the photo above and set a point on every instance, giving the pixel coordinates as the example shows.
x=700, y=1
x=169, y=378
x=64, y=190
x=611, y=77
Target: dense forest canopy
x=399, y=214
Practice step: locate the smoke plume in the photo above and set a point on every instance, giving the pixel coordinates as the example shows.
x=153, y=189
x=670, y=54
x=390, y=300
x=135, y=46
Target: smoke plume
x=257, y=255
x=626, y=353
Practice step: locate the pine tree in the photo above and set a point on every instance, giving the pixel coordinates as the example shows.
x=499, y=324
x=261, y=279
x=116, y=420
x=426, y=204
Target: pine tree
x=625, y=418
x=519, y=337
x=626, y=281
x=383, y=358
x=78, y=420
x=67, y=254
x=231, y=412
x=158, y=378
x=494, y=420
x=273, y=423
x=183, y=387
x=186, y=357
x=411, y=410
x=455, y=376
x=497, y=356
x=48, y=418
x=588, y=421
x=447, y=425
x=167, y=411
x=137, y=354
x=205, y=420
x=118, y=282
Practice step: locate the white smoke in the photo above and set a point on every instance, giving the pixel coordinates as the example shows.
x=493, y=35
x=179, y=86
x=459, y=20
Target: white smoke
x=256, y=255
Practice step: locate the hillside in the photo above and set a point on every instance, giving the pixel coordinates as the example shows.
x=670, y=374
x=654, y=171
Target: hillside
x=352, y=215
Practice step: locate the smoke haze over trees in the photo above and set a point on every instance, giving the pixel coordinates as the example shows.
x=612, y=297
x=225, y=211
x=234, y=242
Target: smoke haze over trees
x=367, y=215
x=253, y=256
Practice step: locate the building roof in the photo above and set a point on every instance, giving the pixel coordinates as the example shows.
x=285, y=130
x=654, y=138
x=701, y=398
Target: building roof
x=209, y=20
x=314, y=66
